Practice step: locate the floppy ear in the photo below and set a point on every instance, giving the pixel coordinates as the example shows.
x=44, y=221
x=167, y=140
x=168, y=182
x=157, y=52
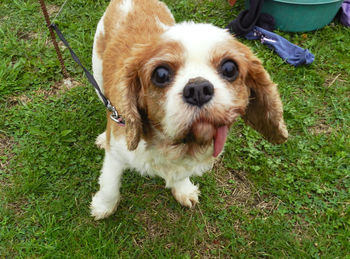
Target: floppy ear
x=264, y=112
x=132, y=91
x=131, y=88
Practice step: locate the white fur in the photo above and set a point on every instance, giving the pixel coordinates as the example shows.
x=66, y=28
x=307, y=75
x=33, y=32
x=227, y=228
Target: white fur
x=126, y=6
x=97, y=63
x=153, y=162
x=106, y=199
x=185, y=192
x=159, y=162
x=198, y=40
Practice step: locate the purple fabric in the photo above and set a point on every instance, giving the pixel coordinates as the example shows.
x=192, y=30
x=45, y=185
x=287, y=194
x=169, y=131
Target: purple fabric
x=291, y=53
x=345, y=13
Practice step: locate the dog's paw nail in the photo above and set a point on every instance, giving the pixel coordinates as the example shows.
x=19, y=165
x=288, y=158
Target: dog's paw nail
x=99, y=213
x=100, y=209
x=189, y=199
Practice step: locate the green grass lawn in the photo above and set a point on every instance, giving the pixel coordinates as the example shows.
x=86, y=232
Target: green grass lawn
x=260, y=200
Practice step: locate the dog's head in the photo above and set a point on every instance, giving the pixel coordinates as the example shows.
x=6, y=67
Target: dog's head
x=190, y=84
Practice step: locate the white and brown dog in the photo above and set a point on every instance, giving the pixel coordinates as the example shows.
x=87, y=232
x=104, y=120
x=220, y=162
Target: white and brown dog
x=179, y=88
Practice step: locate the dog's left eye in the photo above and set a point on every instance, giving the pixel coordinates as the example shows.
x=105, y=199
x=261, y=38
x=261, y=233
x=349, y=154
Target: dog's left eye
x=229, y=70
x=161, y=76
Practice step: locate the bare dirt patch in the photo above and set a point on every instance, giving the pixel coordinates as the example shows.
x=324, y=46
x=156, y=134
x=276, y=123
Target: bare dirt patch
x=155, y=225
x=48, y=43
x=4, y=19
x=6, y=144
x=152, y=226
x=238, y=190
x=18, y=206
x=213, y=242
x=160, y=225
x=322, y=128
x=22, y=35
x=52, y=9
x=332, y=79
x=57, y=89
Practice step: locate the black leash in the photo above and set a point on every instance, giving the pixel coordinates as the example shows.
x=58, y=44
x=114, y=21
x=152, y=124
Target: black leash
x=114, y=116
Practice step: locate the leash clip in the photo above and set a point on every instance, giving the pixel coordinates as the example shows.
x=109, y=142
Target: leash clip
x=114, y=114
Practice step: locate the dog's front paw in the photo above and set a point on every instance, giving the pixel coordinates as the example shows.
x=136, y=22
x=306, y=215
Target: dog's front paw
x=101, y=141
x=101, y=208
x=186, y=193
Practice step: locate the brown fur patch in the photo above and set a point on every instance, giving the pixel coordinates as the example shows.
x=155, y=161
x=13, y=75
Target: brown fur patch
x=128, y=42
x=264, y=111
x=101, y=45
x=151, y=99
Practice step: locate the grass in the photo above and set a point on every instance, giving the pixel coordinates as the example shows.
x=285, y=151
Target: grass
x=260, y=200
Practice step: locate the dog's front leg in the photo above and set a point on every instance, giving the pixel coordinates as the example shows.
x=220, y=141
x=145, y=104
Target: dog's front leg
x=185, y=192
x=105, y=201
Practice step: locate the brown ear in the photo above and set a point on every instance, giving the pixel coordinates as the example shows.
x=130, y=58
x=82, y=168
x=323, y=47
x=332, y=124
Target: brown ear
x=131, y=89
x=264, y=112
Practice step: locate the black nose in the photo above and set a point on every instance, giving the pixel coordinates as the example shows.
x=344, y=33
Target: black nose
x=198, y=91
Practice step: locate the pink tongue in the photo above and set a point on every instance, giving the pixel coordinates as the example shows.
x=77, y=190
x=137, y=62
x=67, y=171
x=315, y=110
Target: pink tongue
x=219, y=140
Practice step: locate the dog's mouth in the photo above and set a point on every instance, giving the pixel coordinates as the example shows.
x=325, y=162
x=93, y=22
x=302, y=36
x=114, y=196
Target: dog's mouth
x=220, y=139
x=204, y=133
x=210, y=130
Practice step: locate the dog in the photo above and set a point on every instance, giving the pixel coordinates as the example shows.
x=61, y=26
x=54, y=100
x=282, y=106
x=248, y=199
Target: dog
x=179, y=88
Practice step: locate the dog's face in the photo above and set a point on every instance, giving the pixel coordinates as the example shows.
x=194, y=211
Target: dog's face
x=191, y=83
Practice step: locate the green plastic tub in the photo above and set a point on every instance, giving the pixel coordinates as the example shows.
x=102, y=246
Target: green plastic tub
x=301, y=15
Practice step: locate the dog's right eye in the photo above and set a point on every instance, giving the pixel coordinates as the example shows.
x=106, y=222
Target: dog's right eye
x=161, y=76
x=229, y=70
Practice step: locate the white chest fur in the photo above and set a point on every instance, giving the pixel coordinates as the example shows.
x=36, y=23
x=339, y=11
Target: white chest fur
x=150, y=161
x=160, y=162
